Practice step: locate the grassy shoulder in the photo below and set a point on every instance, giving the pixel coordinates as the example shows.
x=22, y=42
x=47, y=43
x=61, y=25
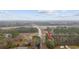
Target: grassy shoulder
x=74, y=47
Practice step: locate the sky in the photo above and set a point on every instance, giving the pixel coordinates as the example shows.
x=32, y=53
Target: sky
x=39, y=15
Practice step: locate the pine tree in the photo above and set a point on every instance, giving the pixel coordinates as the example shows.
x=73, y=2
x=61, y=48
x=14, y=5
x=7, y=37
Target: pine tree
x=36, y=41
x=50, y=43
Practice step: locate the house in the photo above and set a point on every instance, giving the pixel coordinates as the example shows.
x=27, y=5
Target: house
x=8, y=35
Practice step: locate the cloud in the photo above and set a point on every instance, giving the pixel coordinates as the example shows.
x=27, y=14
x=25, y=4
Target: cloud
x=9, y=15
x=47, y=11
x=3, y=12
x=5, y=15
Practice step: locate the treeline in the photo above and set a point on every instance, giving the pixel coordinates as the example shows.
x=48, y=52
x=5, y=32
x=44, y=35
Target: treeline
x=65, y=35
x=27, y=30
x=20, y=30
x=15, y=32
x=64, y=30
